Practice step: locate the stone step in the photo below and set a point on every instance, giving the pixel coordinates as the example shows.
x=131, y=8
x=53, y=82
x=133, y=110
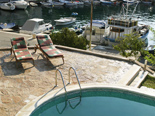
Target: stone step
x=137, y=78
x=142, y=77
x=130, y=75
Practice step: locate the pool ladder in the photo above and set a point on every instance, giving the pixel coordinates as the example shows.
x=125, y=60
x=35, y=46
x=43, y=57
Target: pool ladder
x=69, y=78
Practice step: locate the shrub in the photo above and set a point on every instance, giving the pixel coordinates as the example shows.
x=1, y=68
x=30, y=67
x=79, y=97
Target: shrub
x=69, y=38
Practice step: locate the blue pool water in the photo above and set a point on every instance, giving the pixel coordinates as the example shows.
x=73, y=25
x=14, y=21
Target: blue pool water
x=98, y=102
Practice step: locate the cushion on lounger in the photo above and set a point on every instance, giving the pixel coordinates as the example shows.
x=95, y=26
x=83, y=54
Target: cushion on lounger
x=51, y=51
x=22, y=54
x=44, y=40
x=18, y=43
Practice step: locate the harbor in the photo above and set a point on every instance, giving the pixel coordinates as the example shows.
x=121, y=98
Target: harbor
x=25, y=85
x=143, y=12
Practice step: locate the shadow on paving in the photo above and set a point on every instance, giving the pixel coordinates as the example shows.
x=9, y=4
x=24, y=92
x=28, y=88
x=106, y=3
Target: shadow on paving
x=41, y=64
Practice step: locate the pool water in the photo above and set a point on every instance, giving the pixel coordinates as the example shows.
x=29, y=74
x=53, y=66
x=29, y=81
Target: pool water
x=98, y=103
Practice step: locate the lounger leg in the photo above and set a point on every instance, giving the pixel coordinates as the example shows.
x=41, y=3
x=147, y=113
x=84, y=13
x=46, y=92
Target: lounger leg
x=11, y=51
x=35, y=49
x=63, y=60
x=33, y=62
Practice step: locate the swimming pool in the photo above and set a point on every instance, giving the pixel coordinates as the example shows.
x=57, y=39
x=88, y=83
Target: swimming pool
x=98, y=102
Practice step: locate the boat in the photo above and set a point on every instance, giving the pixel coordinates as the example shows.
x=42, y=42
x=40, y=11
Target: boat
x=98, y=30
x=19, y=4
x=96, y=2
x=35, y=26
x=87, y=2
x=7, y=6
x=74, y=14
x=109, y=2
x=58, y=3
x=46, y=4
x=129, y=1
x=33, y=4
x=79, y=2
x=68, y=2
x=124, y=24
x=148, y=2
x=9, y=26
x=65, y=21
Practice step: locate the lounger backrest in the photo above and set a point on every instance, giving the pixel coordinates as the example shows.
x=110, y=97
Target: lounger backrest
x=44, y=40
x=18, y=43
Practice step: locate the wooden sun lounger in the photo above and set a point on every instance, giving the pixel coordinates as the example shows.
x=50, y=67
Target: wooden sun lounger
x=20, y=50
x=45, y=45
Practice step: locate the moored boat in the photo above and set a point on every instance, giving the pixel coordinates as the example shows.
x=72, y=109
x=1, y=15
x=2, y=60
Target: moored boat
x=65, y=21
x=57, y=3
x=129, y=1
x=9, y=26
x=7, y=6
x=68, y=2
x=19, y=4
x=109, y=2
x=35, y=26
x=48, y=3
x=98, y=30
x=124, y=24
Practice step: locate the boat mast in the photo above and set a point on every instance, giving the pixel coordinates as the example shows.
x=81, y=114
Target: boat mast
x=127, y=9
x=134, y=9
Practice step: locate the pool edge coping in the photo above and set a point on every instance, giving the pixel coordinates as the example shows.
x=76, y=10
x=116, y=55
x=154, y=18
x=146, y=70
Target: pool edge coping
x=31, y=106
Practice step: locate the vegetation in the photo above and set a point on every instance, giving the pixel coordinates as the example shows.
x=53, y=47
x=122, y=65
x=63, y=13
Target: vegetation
x=69, y=38
x=150, y=57
x=149, y=82
x=129, y=45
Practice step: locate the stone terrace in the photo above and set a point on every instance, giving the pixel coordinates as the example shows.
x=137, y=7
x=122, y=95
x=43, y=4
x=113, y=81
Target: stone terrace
x=19, y=85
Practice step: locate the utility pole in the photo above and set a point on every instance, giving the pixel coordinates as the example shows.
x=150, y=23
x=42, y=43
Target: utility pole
x=91, y=24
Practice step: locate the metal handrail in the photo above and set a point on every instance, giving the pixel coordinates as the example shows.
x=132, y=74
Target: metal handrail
x=61, y=78
x=76, y=76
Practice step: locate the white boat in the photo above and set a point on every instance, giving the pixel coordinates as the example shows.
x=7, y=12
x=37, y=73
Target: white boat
x=124, y=24
x=87, y=2
x=52, y=3
x=98, y=30
x=35, y=26
x=68, y=2
x=109, y=2
x=96, y=2
x=79, y=2
x=130, y=1
x=58, y=3
x=33, y=4
x=48, y=3
x=148, y=2
x=65, y=21
x=19, y=4
x=7, y=6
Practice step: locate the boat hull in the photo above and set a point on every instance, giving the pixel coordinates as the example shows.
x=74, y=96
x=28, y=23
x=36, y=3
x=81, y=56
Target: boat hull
x=7, y=6
x=65, y=21
x=20, y=4
x=108, y=3
x=111, y=41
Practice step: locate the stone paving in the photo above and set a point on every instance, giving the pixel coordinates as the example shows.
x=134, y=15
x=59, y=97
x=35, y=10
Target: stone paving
x=19, y=85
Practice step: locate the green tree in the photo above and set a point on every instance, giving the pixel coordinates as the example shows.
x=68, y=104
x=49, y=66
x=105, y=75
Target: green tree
x=69, y=38
x=130, y=45
x=150, y=57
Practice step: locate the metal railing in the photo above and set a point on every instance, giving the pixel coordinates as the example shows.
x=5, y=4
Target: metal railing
x=69, y=100
x=75, y=75
x=62, y=80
